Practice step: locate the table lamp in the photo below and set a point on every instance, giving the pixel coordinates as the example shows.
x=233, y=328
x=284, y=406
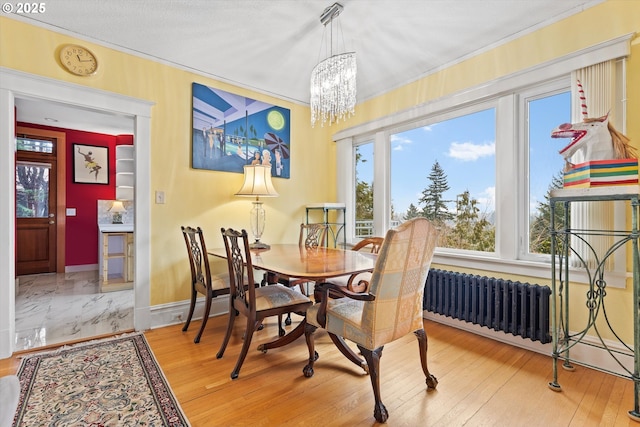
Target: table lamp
x=257, y=182
x=117, y=209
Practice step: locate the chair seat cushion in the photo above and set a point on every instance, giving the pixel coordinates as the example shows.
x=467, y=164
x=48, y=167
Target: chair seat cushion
x=344, y=318
x=220, y=281
x=273, y=296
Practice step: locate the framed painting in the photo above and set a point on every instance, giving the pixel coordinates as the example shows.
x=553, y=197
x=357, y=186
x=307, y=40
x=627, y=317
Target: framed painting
x=90, y=164
x=230, y=131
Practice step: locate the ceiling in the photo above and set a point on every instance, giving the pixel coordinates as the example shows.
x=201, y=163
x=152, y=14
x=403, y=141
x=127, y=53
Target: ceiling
x=272, y=46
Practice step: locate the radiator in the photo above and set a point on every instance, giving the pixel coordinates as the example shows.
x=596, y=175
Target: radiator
x=518, y=308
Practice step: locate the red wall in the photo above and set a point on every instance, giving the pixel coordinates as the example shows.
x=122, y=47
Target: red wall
x=81, y=239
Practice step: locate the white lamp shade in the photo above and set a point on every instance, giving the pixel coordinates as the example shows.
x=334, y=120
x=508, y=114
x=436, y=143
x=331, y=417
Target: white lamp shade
x=257, y=182
x=117, y=207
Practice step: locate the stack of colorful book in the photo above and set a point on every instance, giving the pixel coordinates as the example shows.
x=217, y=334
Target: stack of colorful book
x=600, y=173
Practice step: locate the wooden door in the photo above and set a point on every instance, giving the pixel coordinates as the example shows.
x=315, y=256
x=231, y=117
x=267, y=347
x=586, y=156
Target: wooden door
x=36, y=210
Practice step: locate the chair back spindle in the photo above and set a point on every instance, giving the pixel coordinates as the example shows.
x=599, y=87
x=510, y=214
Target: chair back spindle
x=316, y=235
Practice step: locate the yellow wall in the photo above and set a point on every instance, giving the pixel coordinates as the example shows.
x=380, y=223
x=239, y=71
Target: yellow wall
x=206, y=198
x=193, y=197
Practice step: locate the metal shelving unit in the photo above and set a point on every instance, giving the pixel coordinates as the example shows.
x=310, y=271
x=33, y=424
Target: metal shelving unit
x=561, y=240
x=336, y=225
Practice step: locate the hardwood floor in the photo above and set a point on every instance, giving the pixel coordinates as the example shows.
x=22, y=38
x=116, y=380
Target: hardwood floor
x=481, y=383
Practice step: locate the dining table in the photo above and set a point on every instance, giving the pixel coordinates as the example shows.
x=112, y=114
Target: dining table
x=317, y=264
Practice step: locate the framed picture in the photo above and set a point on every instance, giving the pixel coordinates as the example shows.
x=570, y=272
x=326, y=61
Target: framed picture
x=90, y=164
x=230, y=131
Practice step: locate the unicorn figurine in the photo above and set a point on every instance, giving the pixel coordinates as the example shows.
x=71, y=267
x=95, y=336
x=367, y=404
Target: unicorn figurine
x=592, y=139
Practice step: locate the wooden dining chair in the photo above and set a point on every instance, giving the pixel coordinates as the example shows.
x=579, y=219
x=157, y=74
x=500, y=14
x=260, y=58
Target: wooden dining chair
x=202, y=281
x=370, y=244
x=311, y=236
x=255, y=303
x=390, y=309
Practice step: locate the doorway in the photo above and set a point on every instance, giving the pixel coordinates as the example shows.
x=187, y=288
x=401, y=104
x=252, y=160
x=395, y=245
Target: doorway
x=18, y=85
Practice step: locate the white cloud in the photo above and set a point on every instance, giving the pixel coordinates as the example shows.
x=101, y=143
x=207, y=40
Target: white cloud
x=398, y=143
x=469, y=152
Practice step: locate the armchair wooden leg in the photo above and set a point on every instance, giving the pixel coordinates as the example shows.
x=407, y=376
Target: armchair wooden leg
x=432, y=381
x=373, y=360
x=191, y=309
x=347, y=352
x=309, y=330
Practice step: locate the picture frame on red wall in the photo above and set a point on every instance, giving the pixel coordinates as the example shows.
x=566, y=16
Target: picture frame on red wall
x=90, y=164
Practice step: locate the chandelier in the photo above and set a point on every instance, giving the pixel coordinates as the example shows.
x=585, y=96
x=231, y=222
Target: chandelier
x=333, y=80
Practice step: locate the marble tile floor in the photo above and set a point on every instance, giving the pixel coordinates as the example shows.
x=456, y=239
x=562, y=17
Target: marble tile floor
x=56, y=308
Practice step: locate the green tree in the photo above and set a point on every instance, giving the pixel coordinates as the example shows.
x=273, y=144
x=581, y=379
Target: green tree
x=434, y=204
x=364, y=194
x=364, y=201
x=471, y=231
x=412, y=212
x=540, y=224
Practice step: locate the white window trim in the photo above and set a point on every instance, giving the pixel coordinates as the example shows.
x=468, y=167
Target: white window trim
x=502, y=92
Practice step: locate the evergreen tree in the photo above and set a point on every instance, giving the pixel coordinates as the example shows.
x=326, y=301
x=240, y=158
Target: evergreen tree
x=364, y=201
x=412, y=212
x=364, y=194
x=540, y=225
x=435, y=206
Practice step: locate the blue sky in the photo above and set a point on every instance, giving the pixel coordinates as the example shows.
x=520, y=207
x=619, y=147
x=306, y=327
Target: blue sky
x=465, y=149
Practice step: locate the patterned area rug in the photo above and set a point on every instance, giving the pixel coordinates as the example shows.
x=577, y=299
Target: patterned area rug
x=113, y=382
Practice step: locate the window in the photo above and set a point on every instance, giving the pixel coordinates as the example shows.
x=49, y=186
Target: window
x=35, y=145
x=32, y=189
x=445, y=172
x=543, y=112
x=364, y=190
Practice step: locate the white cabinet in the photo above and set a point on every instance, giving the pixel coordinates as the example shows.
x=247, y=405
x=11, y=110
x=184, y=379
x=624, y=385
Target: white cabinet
x=125, y=171
x=116, y=255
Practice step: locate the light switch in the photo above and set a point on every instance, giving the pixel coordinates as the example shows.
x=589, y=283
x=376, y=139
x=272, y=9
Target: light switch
x=71, y=211
x=159, y=197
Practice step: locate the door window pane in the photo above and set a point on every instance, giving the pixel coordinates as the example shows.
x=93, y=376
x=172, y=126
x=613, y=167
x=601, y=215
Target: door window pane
x=32, y=190
x=364, y=190
x=446, y=173
x=35, y=145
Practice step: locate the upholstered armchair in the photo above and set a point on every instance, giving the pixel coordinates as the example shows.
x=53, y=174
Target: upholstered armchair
x=390, y=309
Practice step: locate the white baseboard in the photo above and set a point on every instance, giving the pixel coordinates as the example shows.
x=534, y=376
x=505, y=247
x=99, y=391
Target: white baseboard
x=77, y=268
x=176, y=312
x=584, y=353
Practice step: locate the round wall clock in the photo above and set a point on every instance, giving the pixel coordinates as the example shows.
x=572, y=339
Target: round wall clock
x=78, y=60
